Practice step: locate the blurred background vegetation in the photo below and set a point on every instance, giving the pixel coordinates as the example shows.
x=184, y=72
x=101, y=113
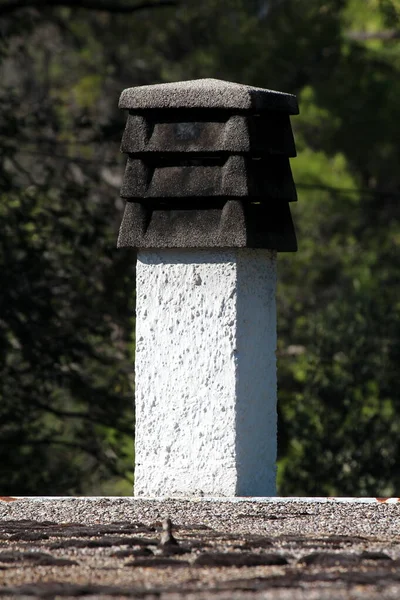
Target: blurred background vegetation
x=67, y=295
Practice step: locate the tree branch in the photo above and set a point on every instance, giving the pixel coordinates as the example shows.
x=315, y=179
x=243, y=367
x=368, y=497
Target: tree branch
x=95, y=452
x=80, y=415
x=14, y=5
x=363, y=36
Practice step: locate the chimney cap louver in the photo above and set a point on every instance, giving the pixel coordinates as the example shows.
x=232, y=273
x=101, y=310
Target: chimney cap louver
x=207, y=93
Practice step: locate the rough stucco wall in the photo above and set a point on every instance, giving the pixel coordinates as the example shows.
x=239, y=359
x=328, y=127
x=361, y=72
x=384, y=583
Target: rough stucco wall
x=256, y=390
x=205, y=372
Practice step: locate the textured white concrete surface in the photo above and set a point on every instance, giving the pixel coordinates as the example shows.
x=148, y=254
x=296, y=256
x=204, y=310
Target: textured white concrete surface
x=205, y=373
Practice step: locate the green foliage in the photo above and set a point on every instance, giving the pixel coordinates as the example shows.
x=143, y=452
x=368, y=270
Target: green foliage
x=339, y=391
x=67, y=306
x=66, y=414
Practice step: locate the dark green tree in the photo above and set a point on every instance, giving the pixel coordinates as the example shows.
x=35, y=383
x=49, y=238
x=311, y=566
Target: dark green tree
x=66, y=300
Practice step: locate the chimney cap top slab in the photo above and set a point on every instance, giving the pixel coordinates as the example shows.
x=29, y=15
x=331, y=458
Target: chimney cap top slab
x=207, y=93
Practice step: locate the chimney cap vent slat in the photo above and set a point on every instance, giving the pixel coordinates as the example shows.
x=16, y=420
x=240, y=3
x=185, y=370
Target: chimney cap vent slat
x=208, y=94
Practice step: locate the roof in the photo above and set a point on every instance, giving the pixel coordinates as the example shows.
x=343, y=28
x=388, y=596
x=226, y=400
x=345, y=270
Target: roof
x=217, y=550
x=207, y=93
